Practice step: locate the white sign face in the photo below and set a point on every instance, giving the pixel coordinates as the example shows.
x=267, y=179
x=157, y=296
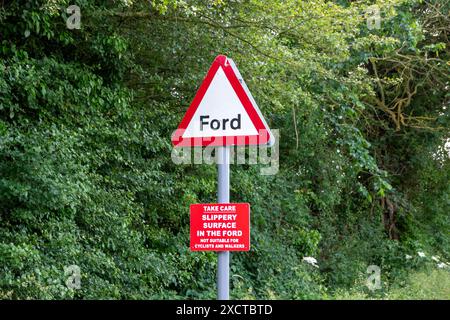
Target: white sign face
x=220, y=113
x=223, y=112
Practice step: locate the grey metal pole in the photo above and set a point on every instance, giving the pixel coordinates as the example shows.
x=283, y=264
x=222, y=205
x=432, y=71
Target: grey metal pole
x=223, y=196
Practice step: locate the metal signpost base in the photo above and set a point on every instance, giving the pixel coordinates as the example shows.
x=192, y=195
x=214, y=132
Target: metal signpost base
x=223, y=196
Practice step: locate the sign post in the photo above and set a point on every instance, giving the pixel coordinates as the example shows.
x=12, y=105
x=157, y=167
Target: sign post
x=223, y=196
x=222, y=114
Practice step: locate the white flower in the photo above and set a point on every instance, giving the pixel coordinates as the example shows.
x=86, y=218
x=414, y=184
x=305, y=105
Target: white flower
x=442, y=265
x=408, y=257
x=421, y=254
x=435, y=258
x=312, y=261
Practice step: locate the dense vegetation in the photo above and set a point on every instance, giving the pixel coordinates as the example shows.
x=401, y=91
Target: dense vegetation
x=86, y=176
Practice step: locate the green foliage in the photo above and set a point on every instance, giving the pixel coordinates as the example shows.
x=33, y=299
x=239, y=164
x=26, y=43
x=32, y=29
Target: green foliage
x=86, y=176
x=424, y=285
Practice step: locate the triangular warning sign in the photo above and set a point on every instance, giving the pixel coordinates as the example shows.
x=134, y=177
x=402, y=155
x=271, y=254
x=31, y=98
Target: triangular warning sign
x=223, y=112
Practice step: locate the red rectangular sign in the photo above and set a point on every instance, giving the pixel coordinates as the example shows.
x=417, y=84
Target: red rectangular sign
x=220, y=227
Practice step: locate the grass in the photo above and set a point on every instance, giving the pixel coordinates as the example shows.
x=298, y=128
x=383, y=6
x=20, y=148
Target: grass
x=421, y=285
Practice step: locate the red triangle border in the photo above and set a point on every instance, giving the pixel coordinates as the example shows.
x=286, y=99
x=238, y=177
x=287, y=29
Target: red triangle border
x=263, y=136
